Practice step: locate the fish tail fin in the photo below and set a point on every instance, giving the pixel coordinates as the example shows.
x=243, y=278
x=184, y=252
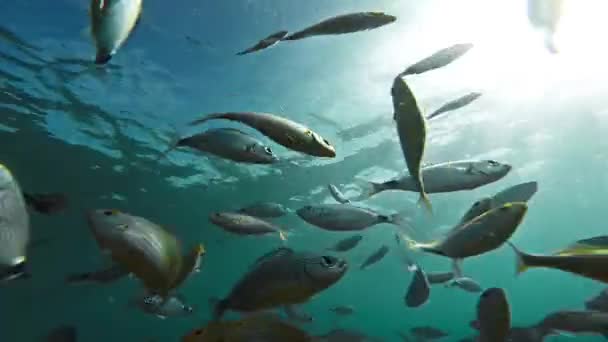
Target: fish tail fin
x=396, y=219
x=520, y=263
x=426, y=202
x=174, y=143
x=220, y=307
x=370, y=189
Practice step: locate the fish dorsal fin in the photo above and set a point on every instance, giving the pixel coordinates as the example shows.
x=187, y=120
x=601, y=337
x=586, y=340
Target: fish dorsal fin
x=276, y=253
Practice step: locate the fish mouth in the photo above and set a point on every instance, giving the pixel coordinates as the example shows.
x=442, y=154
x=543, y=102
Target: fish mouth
x=18, y=269
x=330, y=152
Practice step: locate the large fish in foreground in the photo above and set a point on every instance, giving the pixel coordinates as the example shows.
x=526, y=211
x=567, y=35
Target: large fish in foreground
x=283, y=131
x=14, y=228
x=411, y=127
x=112, y=21
x=347, y=23
x=264, y=43
x=438, y=60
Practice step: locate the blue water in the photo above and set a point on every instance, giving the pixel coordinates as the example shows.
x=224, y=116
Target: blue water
x=94, y=134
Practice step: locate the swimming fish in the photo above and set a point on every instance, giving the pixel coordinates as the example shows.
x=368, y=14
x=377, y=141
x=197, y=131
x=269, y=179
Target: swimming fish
x=344, y=217
x=48, y=204
x=375, y=257
x=243, y=224
x=14, y=228
x=593, y=245
x=455, y=104
x=258, y=327
x=282, y=277
x=172, y=306
x=577, y=322
x=346, y=244
x=593, y=266
x=103, y=276
x=419, y=291
x=264, y=43
x=265, y=210
x=444, y=177
x=517, y=193
x=546, y=15
x=465, y=283
x=112, y=21
x=427, y=333
x=439, y=278
x=228, y=143
x=283, y=131
x=337, y=194
x=347, y=23
x=63, y=333
x=438, y=59
x=493, y=316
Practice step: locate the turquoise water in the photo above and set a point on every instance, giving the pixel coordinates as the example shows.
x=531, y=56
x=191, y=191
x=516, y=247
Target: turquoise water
x=94, y=134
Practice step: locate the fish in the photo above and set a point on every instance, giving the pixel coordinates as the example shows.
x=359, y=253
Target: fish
x=483, y=234
x=577, y=322
x=546, y=16
x=458, y=103
x=172, y=306
x=439, y=278
x=258, y=327
x=14, y=229
x=337, y=194
x=599, y=302
x=63, y=333
x=346, y=244
x=375, y=257
x=143, y=248
x=264, y=43
x=427, y=333
x=103, y=276
x=283, y=131
x=346, y=23
x=48, y=204
x=444, y=177
x=419, y=291
x=282, y=277
x=112, y=22
x=191, y=264
x=228, y=143
x=465, y=283
x=243, y=224
x=592, y=266
x=493, y=316
x=345, y=217
x=438, y=59
x=411, y=128
x=342, y=310
x=593, y=245
x=265, y=210
x=517, y=193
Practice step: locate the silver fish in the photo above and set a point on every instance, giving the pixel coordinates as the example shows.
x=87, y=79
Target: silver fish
x=14, y=228
x=438, y=59
x=346, y=244
x=103, y=276
x=493, y=316
x=375, y=257
x=344, y=217
x=282, y=277
x=173, y=306
x=455, y=104
x=265, y=210
x=347, y=23
x=264, y=43
x=337, y=194
x=228, y=143
x=419, y=291
x=411, y=127
x=439, y=278
x=243, y=224
x=465, y=283
x=283, y=131
x=112, y=21
x=577, y=322
x=445, y=177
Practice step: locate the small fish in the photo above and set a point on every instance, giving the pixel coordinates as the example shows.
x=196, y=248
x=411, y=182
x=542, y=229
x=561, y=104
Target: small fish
x=63, y=333
x=265, y=43
x=342, y=24
x=112, y=21
x=243, y=224
x=411, y=127
x=427, y=333
x=257, y=327
x=265, y=210
x=439, y=278
x=493, y=316
x=14, y=228
x=282, y=277
x=228, y=143
x=546, y=15
x=438, y=60
x=576, y=322
x=342, y=310
x=344, y=217
x=599, y=302
x=445, y=177
x=466, y=284
x=455, y=104
x=103, y=276
x=283, y=131
x=419, y=291
x=337, y=194
x=375, y=257
x=48, y=204
x=346, y=244
x=172, y=306
x=593, y=266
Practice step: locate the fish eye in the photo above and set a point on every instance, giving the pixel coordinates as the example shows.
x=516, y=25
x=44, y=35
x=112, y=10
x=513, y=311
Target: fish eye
x=493, y=163
x=476, y=204
x=108, y=212
x=267, y=150
x=326, y=142
x=327, y=261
